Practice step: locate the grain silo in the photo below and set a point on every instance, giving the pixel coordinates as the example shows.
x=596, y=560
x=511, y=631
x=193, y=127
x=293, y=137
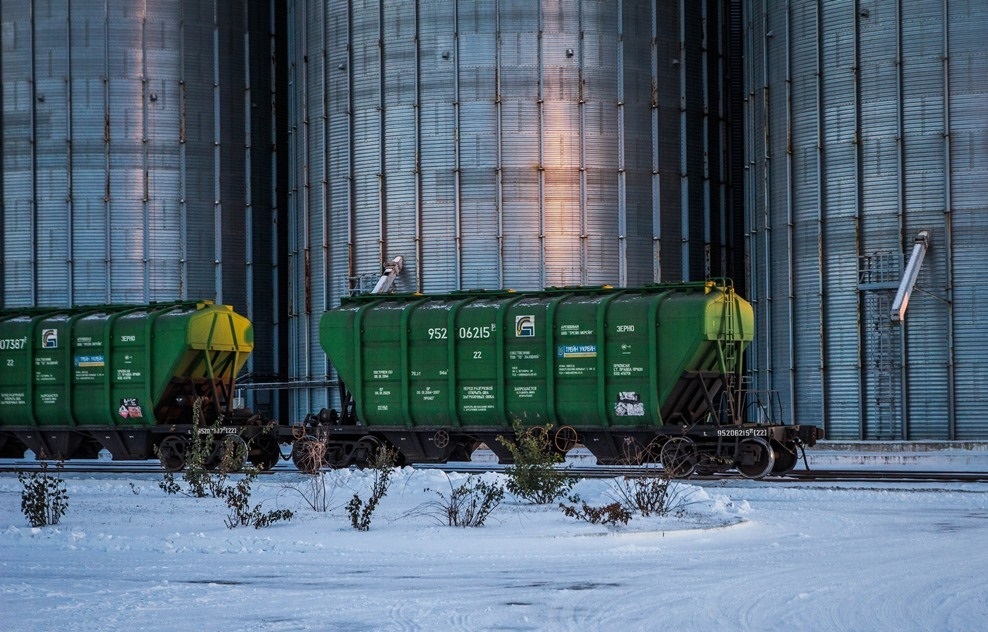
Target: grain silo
x=502, y=144
x=867, y=129
x=137, y=153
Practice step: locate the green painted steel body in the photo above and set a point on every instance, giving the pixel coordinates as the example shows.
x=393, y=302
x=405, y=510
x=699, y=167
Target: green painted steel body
x=112, y=365
x=587, y=357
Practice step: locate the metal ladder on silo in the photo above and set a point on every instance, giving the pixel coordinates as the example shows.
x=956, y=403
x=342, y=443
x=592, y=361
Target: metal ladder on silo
x=878, y=279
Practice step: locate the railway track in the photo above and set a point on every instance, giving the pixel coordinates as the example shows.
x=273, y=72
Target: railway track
x=888, y=475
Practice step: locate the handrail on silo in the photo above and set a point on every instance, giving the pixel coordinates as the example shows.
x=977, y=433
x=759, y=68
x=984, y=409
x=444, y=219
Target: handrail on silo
x=920, y=244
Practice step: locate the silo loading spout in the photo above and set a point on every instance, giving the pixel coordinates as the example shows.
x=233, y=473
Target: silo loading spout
x=388, y=276
x=920, y=245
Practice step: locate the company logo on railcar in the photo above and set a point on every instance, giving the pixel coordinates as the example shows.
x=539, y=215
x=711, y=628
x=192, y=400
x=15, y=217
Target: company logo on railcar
x=49, y=338
x=525, y=326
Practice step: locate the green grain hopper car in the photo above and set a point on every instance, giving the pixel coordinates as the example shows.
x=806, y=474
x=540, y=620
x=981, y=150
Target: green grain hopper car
x=633, y=374
x=123, y=378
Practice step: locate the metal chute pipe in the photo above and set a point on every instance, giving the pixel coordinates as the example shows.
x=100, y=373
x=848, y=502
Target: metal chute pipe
x=920, y=245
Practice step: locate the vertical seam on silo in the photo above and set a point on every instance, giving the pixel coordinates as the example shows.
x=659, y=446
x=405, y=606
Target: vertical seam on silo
x=540, y=168
x=382, y=166
x=145, y=159
x=107, y=227
x=622, y=183
x=901, y=209
x=217, y=159
x=303, y=313
x=821, y=200
x=654, y=113
x=351, y=154
x=705, y=135
x=723, y=141
x=248, y=182
x=417, y=108
x=581, y=108
x=684, y=180
x=948, y=217
x=499, y=149
x=457, y=184
x=858, y=221
x=766, y=174
x=324, y=194
x=749, y=195
x=183, y=217
x=790, y=238
x=69, y=194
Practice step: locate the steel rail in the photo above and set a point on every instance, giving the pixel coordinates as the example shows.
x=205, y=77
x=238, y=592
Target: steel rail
x=577, y=471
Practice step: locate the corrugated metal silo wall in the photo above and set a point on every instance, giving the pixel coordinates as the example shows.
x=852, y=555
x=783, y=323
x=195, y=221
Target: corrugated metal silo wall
x=502, y=144
x=137, y=153
x=866, y=122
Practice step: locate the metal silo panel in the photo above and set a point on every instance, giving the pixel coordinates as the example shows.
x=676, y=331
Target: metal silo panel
x=865, y=113
x=802, y=318
x=503, y=144
x=17, y=173
x=481, y=254
x=522, y=223
x=124, y=100
x=519, y=70
x=968, y=202
x=51, y=156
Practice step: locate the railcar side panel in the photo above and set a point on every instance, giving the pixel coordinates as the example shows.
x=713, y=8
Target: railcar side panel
x=126, y=366
x=587, y=357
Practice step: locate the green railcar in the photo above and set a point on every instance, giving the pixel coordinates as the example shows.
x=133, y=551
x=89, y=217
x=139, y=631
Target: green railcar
x=74, y=381
x=436, y=375
x=597, y=357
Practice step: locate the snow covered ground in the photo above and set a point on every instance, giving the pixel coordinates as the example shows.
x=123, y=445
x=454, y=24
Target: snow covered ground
x=745, y=556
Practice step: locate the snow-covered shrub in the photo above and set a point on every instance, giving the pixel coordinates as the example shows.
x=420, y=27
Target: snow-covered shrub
x=44, y=499
x=534, y=476
x=313, y=490
x=468, y=505
x=654, y=493
x=242, y=514
x=207, y=474
x=613, y=513
x=206, y=465
x=361, y=511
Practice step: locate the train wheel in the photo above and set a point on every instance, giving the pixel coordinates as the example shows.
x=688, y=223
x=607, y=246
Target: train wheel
x=566, y=439
x=233, y=454
x=786, y=457
x=171, y=453
x=215, y=455
x=265, y=452
x=756, y=458
x=440, y=439
x=366, y=452
x=678, y=456
x=308, y=454
x=339, y=455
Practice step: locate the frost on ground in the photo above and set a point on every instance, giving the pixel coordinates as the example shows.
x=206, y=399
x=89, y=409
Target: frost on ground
x=740, y=556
